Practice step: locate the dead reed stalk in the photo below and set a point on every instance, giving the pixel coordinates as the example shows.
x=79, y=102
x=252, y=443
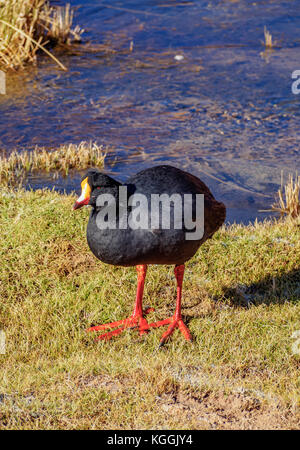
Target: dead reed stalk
x=288, y=197
x=27, y=26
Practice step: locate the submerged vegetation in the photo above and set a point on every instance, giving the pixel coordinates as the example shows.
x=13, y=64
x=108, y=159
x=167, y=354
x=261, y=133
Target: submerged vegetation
x=241, y=303
x=268, y=38
x=27, y=26
x=15, y=167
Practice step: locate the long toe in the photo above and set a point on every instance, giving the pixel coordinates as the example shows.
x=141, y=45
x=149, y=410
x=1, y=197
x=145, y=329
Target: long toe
x=175, y=323
x=107, y=326
x=110, y=334
x=143, y=326
x=160, y=323
x=184, y=330
x=135, y=321
x=168, y=333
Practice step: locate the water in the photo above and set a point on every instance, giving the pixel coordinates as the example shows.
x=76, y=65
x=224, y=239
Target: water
x=224, y=110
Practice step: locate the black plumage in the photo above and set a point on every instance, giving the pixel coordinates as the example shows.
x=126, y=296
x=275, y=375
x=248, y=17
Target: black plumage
x=128, y=247
x=114, y=242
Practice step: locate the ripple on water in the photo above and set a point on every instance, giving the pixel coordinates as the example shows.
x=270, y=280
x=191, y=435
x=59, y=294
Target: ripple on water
x=224, y=111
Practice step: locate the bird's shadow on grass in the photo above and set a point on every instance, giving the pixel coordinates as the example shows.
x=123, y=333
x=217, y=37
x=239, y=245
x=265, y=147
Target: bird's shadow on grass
x=268, y=290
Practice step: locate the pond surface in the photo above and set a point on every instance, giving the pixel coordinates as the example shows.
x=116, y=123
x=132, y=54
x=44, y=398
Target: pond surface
x=163, y=81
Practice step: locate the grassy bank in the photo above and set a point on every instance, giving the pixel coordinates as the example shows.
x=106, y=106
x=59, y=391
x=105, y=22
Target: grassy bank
x=241, y=301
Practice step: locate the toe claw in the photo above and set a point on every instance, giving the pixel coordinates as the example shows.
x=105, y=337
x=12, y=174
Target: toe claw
x=107, y=336
x=162, y=343
x=148, y=310
x=173, y=323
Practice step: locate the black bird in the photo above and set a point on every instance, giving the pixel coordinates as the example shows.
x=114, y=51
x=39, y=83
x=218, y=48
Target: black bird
x=156, y=217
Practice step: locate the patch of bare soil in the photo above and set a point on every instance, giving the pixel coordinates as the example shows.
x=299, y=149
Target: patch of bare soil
x=230, y=412
x=66, y=260
x=105, y=382
x=210, y=409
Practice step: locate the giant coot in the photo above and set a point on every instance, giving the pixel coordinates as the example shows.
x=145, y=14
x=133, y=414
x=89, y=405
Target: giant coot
x=143, y=221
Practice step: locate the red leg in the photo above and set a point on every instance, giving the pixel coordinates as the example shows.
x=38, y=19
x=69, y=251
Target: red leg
x=136, y=320
x=176, y=320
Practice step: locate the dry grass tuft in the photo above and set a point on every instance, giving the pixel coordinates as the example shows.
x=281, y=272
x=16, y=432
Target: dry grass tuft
x=58, y=23
x=288, y=202
x=27, y=26
x=13, y=169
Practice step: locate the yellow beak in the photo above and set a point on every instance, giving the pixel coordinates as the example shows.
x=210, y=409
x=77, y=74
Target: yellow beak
x=85, y=195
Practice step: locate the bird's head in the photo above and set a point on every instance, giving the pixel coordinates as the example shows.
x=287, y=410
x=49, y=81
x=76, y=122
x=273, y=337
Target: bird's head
x=91, y=184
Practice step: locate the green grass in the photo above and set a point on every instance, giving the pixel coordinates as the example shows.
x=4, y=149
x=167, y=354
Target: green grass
x=241, y=302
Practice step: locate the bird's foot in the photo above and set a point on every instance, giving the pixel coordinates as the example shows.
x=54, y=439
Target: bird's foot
x=173, y=322
x=135, y=321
